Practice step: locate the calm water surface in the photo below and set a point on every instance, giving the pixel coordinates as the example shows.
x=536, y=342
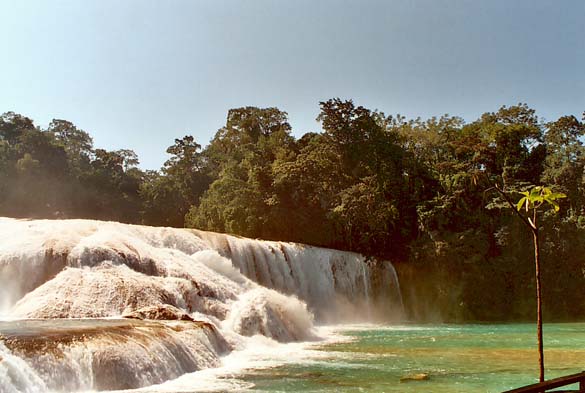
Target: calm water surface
x=457, y=358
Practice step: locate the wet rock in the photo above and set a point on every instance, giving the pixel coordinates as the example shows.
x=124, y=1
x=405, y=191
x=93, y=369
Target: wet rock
x=107, y=354
x=162, y=312
x=415, y=377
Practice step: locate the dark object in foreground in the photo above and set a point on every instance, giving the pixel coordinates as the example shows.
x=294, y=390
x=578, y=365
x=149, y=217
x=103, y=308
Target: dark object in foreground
x=554, y=383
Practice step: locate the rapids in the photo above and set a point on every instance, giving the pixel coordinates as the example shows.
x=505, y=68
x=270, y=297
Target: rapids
x=66, y=284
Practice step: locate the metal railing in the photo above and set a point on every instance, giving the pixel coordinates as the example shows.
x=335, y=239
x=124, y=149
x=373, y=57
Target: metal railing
x=553, y=384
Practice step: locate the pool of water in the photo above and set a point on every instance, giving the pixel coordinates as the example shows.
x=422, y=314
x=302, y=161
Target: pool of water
x=364, y=358
x=453, y=358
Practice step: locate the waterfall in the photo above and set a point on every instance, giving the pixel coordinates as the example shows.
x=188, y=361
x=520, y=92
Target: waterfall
x=193, y=296
x=72, y=355
x=336, y=285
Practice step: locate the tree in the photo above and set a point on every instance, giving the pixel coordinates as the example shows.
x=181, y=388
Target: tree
x=77, y=143
x=244, y=129
x=368, y=218
x=376, y=171
x=307, y=187
x=167, y=196
x=565, y=159
x=241, y=158
x=531, y=201
x=129, y=159
x=13, y=125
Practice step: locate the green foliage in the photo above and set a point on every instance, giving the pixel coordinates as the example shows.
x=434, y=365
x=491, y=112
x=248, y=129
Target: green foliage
x=537, y=196
x=57, y=173
x=386, y=186
x=230, y=205
x=168, y=196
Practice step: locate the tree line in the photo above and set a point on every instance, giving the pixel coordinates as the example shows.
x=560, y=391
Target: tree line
x=415, y=191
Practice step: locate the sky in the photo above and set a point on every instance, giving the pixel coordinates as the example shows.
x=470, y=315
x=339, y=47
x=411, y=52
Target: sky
x=138, y=74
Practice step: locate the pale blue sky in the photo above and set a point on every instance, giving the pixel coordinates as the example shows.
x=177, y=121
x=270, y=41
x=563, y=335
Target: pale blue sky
x=137, y=74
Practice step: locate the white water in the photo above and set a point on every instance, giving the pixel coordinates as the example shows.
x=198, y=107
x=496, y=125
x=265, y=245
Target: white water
x=336, y=285
x=249, y=292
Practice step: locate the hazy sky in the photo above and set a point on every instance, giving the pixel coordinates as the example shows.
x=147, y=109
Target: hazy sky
x=137, y=74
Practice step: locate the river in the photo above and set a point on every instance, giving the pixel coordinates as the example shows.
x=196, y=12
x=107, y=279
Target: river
x=456, y=358
x=376, y=358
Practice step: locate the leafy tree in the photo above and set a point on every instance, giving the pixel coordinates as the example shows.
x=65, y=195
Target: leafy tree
x=159, y=200
x=77, y=143
x=565, y=159
x=241, y=155
x=169, y=195
x=230, y=205
x=12, y=126
x=531, y=201
x=111, y=192
x=358, y=159
x=129, y=159
x=244, y=128
x=360, y=137
x=41, y=173
x=367, y=217
x=307, y=187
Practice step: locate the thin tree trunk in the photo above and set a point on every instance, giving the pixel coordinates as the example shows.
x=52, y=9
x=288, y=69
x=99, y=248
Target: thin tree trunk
x=538, y=304
x=532, y=224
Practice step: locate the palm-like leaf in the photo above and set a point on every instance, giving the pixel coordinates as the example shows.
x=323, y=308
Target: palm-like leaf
x=521, y=203
x=537, y=196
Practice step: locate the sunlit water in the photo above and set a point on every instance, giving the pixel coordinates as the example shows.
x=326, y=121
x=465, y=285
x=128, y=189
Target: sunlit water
x=457, y=358
x=373, y=358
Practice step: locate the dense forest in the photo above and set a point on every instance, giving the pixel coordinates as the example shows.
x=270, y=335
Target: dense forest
x=416, y=192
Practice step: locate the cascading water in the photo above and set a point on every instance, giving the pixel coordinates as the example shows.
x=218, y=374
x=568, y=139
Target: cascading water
x=207, y=292
x=336, y=285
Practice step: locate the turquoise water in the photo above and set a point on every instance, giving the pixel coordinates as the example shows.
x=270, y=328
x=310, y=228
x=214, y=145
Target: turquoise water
x=456, y=358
